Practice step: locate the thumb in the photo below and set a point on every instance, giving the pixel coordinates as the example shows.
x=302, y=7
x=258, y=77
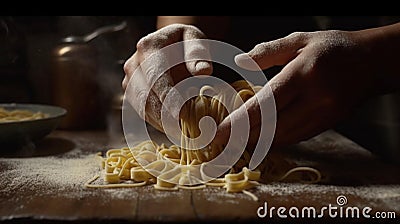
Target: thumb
x=250, y=109
x=276, y=52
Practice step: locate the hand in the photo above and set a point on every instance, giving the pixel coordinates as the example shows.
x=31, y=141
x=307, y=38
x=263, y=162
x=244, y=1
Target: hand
x=148, y=71
x=325, y=75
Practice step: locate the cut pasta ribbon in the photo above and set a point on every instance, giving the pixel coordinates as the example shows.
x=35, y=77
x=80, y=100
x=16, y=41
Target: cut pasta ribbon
x=172, y=168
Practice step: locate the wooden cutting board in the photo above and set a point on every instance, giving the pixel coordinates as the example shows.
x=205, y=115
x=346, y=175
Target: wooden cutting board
x=46, y=183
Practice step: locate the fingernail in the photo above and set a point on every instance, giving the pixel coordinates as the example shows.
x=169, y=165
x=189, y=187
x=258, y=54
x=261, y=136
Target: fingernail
x=203, y=68
x=246, y=62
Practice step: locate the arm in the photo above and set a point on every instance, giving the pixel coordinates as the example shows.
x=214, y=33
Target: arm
x=382, y=46
x=218, y=29
x=326, y=74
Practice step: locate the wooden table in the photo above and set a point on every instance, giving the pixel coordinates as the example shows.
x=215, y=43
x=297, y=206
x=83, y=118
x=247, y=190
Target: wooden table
x=45, y=183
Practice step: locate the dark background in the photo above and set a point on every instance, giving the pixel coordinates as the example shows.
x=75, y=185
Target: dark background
x=27, y=45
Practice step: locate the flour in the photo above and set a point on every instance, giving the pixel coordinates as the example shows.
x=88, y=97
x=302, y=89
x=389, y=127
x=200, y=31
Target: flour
x=220, y=196
x=376, y=195
x=47, y=175
x=25, y=180
x=121, y=193
x=149, y=193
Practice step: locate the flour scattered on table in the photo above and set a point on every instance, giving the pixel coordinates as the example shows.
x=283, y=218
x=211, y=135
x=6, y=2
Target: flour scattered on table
x=42, y=174
x=373, y=195
x=219, y=196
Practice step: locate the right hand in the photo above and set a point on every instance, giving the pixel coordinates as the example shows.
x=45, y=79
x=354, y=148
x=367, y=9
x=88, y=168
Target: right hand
x=140, y=75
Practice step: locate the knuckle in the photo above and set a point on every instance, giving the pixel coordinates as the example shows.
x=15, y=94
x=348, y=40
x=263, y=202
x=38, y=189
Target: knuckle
x=127, y=67
x=261, y=45
x=313, y=66
x=196, y=31
x=175, y=26
x=143, y=44
x=298, y=36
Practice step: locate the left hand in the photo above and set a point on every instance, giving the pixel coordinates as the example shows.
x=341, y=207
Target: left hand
x=325, y=75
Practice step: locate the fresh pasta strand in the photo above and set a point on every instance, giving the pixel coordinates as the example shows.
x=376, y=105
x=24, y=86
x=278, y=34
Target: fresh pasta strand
x=253, y=196
x=89, y=184
x=174, y=167
x=303, y=169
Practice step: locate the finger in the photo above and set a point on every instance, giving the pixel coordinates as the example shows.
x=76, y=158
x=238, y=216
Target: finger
x=155, y=61
x=196, y=52
x=284, y=89
x=156, y=58
x=276, y=52
x=250, y=109
x=285, y=85
x=179, y=72
x=153, y=111
x=145, y=102
x=156, y=75
x=130, y=66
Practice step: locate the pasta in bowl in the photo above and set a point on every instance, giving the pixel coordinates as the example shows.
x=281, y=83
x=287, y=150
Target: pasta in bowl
x=21, y=123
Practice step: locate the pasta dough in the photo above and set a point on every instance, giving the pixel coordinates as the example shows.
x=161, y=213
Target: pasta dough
x=173, y=167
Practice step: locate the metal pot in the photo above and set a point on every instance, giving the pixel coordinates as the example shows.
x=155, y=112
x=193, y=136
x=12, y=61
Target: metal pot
x=76, y=85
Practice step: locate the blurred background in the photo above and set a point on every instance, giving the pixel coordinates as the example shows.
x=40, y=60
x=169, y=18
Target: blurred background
x=39, y=65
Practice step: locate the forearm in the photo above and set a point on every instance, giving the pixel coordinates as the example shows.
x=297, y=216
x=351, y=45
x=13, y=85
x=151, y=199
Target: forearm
x=215, y=27
x=382, y=48
x=168, y=20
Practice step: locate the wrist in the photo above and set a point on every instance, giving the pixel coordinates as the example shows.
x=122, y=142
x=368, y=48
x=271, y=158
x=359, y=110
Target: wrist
x=380, y=47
